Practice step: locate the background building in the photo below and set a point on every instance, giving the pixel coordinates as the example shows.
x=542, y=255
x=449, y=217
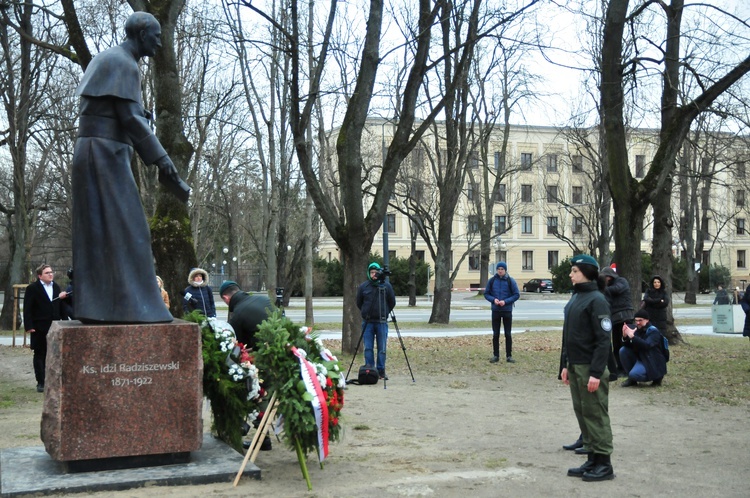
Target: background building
x=544, y=194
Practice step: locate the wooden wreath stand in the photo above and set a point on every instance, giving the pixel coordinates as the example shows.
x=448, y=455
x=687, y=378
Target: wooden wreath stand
x=259, y=437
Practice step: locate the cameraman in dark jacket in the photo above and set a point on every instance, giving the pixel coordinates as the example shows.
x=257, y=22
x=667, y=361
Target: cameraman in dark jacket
x=375, y=300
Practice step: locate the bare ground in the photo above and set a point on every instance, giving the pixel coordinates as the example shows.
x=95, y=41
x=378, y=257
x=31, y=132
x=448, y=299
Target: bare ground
x=485, y=432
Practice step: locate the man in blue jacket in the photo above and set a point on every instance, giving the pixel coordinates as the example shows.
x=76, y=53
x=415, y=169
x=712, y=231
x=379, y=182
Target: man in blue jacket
x=502, y=292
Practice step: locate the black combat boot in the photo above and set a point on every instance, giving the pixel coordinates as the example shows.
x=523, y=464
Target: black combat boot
x=602, y=470
x=586, y=467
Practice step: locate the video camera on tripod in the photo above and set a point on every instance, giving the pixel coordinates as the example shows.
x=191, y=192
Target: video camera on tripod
x=383, y=273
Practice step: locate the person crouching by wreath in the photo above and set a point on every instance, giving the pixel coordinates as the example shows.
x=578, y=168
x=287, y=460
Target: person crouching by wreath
x=375, y=300
x=585, y=348
x=198, y=295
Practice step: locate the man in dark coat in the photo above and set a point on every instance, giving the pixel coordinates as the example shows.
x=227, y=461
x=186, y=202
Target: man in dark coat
x=115, y=277
x=246, y=311
x=617, y=292
x=41, y=305
x=641, y=352
x=375, y=300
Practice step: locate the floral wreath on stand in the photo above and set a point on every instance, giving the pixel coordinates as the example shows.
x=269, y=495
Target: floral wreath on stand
x=230, y=379
x=308, y=383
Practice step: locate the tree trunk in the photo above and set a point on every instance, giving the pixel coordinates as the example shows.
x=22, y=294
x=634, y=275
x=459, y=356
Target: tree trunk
x=441, y=303
x=355, y=271
x=661, y=257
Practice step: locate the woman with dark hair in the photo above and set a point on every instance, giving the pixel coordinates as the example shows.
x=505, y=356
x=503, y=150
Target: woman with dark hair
x=586, y=344
x=655, y=302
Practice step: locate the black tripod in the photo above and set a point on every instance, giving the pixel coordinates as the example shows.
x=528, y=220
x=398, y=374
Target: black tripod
x=400, y=340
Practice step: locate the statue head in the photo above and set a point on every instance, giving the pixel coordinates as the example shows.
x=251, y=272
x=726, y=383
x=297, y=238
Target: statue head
x=144, y=30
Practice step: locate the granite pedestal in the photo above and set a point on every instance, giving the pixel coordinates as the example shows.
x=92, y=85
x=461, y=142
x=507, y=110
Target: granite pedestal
x=118, y=391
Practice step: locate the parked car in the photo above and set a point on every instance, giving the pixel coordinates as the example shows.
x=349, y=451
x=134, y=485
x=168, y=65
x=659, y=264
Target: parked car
x=538, y=285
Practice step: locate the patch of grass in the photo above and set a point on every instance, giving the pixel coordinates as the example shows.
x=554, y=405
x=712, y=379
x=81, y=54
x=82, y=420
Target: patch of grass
x=361, y=427
x=496, y=463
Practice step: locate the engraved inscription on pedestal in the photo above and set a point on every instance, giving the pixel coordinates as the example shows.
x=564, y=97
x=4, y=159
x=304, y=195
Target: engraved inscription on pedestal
x=122, y=390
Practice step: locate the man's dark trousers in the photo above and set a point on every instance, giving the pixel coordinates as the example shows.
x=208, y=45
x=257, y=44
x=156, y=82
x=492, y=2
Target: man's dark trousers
x=506, y=317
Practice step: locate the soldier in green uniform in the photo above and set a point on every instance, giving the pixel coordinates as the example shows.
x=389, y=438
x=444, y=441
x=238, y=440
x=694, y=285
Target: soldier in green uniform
x=586, y=344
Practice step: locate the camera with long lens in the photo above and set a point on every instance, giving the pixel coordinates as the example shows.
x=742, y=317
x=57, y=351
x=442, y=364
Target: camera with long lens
x=383, y=273
x=279, y=297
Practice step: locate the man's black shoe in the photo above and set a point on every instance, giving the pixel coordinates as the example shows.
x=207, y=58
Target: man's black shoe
x=245, y=428
x=602, y=470
x=581, y=451
x=657, y=382
x=587, y=466
x=494, y=359
x=266, y=445
x=629, y=383
x=510, y=359
x=612, y=377
x=383, y=376
x=40, y=388
x=574, y=446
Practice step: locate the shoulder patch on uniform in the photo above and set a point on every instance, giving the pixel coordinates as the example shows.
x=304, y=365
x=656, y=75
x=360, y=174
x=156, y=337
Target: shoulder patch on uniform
x=606, y=324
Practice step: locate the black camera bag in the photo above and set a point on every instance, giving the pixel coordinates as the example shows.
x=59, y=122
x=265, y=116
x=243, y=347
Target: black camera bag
x=368, y=375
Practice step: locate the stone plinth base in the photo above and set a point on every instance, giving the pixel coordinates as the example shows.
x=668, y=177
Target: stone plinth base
x=122, y=390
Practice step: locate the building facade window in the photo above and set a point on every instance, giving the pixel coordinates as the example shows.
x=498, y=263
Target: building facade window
x=577, y=225
x=501, y=256
x=500, y=224
x=551, y=225
x=527, y=224
x=500, y=193
x=474, y=257
x=740, y=226
x=741, y=258
x=497, y=160
x=470, y=191
x=577, y=163
x=473, y=223
x=640, y=166
x=740, y=198
x=552, y=163
x=527, y=260
x=553, y=259
x=390, y=219
x=577, y=196
x=551, y=193
x=526, y=160
x=525, y=193
x=741, y=171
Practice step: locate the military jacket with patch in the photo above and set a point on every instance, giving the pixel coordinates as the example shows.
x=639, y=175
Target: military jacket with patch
x=587, y=329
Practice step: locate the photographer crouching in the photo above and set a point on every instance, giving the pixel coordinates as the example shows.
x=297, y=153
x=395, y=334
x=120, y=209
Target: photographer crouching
x=375, y=300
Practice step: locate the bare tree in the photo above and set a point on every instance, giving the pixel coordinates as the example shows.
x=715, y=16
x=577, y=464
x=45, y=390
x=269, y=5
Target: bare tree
x=353, y=229
x=631, y=197
x=26, y=78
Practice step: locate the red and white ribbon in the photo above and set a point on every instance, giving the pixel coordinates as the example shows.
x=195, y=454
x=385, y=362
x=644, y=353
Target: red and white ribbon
x=320, y=408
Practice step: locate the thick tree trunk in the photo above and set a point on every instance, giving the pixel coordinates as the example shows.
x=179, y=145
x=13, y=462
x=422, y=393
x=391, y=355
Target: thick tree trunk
x=355, y=272
x=661, y=257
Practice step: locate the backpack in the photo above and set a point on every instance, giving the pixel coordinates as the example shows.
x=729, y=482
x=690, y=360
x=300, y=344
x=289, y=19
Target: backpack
x=368, y=375
x=665, y=347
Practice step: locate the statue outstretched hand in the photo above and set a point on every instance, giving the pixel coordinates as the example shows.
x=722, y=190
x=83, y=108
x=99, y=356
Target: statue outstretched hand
x=169, y=177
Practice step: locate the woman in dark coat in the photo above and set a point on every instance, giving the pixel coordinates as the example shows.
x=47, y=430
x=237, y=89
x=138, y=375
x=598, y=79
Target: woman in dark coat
x=198, y=295
x=655, y=301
